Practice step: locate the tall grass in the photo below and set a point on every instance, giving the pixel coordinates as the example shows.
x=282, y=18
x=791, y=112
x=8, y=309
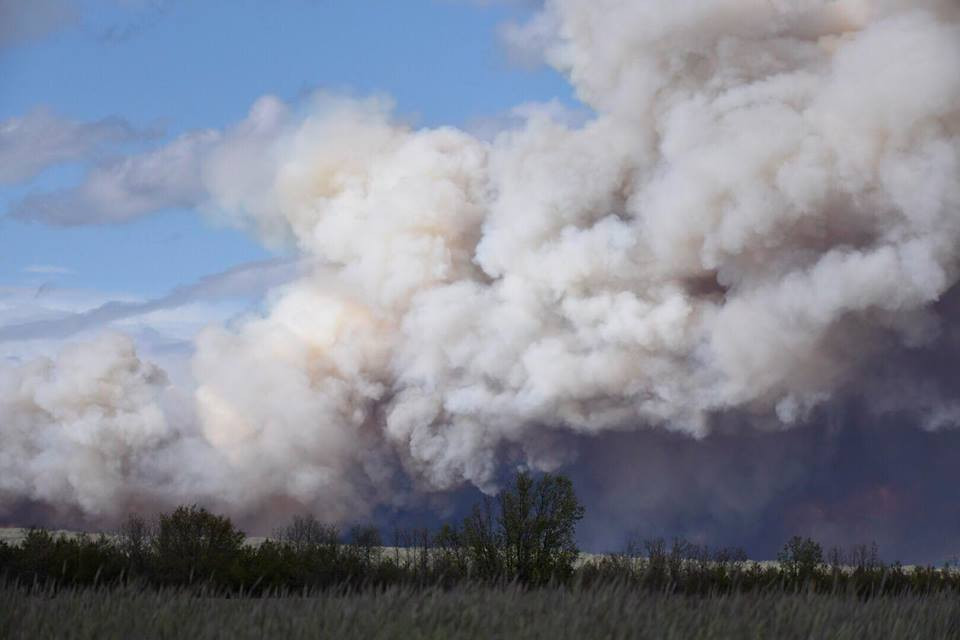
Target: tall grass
x=608, y=611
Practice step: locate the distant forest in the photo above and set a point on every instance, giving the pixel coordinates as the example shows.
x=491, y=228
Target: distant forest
x=525, y=537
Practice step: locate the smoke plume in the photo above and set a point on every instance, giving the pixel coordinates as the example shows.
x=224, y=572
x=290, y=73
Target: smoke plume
x=757, y=222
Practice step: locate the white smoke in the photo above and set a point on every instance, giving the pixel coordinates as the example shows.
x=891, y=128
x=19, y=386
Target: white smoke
x=767, y=195
x=82, y=429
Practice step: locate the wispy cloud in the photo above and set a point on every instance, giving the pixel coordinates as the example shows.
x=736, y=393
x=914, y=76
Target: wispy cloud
x=170, y=176
x=41, y=139
x=25, y=20
x=248, y=280
x=146, y=14
x=48, y=269
x=166, y=178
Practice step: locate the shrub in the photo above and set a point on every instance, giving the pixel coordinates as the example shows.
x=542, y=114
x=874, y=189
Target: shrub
x=193, y=544
x=365, y=537
x=134, y=540
x=306, y=532
x=800, y=558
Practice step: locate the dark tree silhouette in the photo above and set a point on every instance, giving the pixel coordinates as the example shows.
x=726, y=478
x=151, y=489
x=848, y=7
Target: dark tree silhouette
x=538, y=520
x=194, y=544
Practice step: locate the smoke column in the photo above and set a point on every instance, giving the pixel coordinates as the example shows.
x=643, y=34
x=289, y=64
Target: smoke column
x=758, y=221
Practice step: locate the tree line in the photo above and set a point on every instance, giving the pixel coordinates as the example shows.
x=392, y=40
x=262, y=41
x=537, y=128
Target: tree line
x=526, y=535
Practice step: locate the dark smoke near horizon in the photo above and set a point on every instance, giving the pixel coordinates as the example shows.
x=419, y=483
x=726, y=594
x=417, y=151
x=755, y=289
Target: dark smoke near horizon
x=726, y=303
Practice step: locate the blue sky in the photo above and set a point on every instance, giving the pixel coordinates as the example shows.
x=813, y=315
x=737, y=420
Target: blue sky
x=166, y=67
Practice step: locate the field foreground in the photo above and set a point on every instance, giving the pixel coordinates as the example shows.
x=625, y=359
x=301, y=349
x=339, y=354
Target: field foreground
x=477, y=612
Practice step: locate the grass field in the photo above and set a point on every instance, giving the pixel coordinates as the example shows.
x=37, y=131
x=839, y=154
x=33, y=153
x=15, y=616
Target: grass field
x=609, y=612
x=192, y=576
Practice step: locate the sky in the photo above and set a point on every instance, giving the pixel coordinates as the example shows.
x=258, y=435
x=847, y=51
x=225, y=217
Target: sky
x=366, y=259
x=163, y=68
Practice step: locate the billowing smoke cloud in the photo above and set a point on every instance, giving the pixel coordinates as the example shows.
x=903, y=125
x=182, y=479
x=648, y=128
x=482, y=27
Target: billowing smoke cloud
x=763, y=206
x=82, y=429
